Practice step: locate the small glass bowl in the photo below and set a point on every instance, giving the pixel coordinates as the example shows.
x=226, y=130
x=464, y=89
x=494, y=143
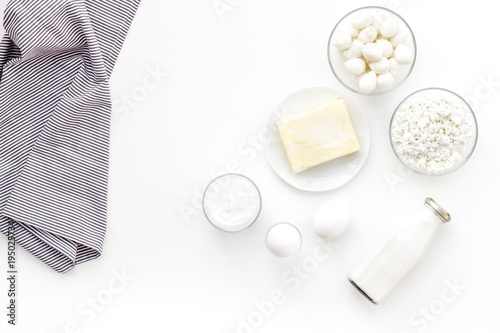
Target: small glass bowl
x=238, y=194
x=471, y=142
x=337, y=59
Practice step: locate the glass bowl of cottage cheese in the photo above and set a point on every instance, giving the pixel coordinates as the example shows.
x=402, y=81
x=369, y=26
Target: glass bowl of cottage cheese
x=433, y=132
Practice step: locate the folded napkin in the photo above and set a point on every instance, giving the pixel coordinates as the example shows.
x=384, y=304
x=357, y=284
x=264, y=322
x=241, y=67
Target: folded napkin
x=55, y=62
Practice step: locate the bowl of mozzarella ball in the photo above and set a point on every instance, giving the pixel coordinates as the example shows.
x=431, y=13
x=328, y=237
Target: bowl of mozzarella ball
x=372, y=50
x=433, y=132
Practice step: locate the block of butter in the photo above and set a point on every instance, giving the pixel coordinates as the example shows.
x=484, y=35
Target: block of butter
x=318, y=135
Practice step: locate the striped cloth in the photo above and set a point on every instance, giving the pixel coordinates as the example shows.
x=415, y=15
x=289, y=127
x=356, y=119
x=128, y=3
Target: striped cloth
x=55, y=62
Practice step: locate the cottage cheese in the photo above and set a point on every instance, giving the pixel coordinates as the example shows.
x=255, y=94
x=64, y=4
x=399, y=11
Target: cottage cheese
x=429, y=133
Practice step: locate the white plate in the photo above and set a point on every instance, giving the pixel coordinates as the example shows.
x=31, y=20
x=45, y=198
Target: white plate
x=330, y=175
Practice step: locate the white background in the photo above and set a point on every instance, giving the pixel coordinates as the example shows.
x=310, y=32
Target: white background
x=225, y=76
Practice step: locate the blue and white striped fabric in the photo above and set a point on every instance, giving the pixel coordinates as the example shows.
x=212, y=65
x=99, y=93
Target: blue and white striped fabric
x=55, y=62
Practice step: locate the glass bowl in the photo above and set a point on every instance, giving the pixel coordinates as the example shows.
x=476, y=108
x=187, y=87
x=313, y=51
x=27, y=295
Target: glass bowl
x=337, y=59
x=232, y=202
x=470, y=144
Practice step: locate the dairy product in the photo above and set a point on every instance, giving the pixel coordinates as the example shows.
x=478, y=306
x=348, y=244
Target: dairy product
x=318, y=135
x=397, y=252
x=342, y=40
x=403, y=54
x=430, y=131
x=232, y=202
x=368, y=82
x=375, y=46
x=362, y=20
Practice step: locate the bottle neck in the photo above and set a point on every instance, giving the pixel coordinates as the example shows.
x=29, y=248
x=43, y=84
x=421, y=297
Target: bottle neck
x=438, y=210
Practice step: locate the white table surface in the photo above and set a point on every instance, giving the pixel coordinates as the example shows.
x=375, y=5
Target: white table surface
x=225, y=76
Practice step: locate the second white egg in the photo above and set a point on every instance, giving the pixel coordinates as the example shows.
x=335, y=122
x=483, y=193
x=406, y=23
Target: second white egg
x=332, y=219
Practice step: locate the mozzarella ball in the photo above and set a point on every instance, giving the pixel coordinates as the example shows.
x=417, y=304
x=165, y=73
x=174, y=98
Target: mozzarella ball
x=356, y=78
x=377, y=22
x=398, y=39
x=386, y=47
x=283, y=240
x=384, y=81
x=341, y=40
x=372, y=52
x=390, y=27
x=380, y=66
x=332, y=219
x=362, y=20
x=403, y=54
x=368, y=82
x=368, y=34
x=354, y=51
x=395, y=67
x=355, y=66
x=352, y=31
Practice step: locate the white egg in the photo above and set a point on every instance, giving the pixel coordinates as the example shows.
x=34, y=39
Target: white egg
x=332, y=219
x=284, y=240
